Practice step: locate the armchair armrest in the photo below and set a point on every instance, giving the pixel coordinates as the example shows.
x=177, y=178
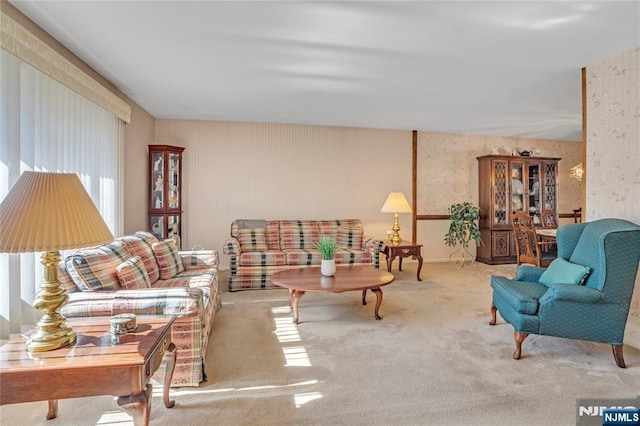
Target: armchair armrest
x=528, y=273
x=572, y=293
x=231, y=247
x=182, y=301
x=199, y=259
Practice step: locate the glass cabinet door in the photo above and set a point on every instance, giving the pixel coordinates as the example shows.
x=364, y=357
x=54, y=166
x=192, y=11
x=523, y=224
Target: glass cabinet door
x=157, y=176
x=500, y=191
x=157, y=226
x=174, y=184
x=518, y=201
x=533, y=191
x=549, y=201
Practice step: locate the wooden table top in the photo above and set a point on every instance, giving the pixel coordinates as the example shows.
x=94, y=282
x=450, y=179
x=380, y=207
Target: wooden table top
x=96, y=346
x=547, y=232
x=347, y=278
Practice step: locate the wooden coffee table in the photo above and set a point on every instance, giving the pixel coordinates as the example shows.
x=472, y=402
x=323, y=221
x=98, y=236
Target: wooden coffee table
x=347, y=278
x=99, y=363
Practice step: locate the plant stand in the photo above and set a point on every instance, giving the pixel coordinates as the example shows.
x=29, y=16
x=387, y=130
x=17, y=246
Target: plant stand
x=462, y=252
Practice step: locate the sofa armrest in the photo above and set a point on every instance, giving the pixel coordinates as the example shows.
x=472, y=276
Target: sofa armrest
x=181, y=301
x=374, y=247
x=231, y=247
x=199, y=259
x=571, y=293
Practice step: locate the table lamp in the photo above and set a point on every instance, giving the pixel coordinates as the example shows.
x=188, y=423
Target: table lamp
x=49, y=212
x=396, y=203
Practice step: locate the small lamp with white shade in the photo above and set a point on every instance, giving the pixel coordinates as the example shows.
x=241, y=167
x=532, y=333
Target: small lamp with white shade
x=396, y=203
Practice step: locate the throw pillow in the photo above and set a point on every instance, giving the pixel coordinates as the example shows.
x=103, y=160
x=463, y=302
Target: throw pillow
x=168, y=258
x=252, y=239
x=350, y=237
x=562, y=272
x=132, y=274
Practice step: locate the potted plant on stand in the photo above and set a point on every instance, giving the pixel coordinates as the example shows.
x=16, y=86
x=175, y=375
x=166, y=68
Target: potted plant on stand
x=327, y=246
x=463, y=229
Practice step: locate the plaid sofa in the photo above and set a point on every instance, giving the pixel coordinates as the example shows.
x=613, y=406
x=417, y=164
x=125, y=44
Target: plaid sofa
x=259, y=248
x=94, y=277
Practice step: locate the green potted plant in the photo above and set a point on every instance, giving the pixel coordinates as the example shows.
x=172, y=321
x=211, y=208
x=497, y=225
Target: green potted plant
x=327, y=246
x=463, y=228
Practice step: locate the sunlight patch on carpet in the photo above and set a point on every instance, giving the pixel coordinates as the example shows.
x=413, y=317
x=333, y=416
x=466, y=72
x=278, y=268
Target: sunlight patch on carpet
x=296, y=356
x=114, y=418
x=302, y=398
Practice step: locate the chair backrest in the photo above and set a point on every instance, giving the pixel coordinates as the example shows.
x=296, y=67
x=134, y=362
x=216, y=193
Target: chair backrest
x=611, y=248
x=577, y=215
x=548, y=219
x=526, y=240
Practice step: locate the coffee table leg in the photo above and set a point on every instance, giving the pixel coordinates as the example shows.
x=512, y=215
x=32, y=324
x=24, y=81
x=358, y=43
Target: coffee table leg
x=378, y=293
x=138, y=406
x=419, y=266
x=290, y=298
x=364, y=296
x=168, y=375
x=295, y=296
x=53, y=409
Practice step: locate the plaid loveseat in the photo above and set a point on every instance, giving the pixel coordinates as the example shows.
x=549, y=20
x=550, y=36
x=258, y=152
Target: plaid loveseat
x=139, y=274
x=259, y=248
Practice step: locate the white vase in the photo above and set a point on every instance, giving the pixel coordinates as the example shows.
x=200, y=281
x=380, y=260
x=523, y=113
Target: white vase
x=328, y=267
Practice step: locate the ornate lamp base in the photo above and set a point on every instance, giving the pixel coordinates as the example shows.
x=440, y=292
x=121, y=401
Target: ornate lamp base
x=52, y=331
x=395, y=237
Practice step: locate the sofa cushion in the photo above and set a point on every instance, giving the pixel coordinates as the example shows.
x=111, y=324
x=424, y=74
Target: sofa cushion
x=95, y=268
x=168, y=258
x=132, y=274
x=298, y=234
x=348, y=256
x=350, y=237
x=252, y=239
x=140, y=245
x=262, y=258
x=303, y=257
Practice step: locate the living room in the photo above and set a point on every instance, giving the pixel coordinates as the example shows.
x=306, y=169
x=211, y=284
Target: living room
x=251, y=170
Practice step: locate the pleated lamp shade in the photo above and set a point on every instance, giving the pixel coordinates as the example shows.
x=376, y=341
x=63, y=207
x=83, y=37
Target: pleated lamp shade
x=49, y=212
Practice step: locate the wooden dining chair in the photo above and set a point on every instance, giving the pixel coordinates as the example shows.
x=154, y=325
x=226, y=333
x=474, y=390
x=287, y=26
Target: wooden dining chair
x=529, y=247
x=577, y=215
x=548, y=219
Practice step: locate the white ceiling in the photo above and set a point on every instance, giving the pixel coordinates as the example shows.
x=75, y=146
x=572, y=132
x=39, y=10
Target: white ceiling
x=509, y=68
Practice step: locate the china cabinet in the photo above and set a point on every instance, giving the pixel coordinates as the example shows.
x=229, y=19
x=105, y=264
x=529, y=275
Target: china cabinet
x=165, y=191
x=509, y=184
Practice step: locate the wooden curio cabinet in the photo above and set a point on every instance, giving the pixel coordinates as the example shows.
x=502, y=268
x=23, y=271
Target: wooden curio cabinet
x=165, y=191
x=509, y=184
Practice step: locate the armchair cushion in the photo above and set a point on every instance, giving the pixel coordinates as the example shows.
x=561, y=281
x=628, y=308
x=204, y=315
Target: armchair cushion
x=168, y=258
x=132, y=274
x=521, y=295
x=561, y=271
x=571, y=293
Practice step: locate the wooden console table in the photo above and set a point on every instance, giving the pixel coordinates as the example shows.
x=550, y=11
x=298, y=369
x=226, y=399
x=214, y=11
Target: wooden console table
x=100, y=363
x=404, y=249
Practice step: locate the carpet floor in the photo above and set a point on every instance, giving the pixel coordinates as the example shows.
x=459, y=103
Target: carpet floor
x=432, y=360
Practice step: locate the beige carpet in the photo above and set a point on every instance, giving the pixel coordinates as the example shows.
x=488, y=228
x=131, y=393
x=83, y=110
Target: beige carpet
x=432, y=360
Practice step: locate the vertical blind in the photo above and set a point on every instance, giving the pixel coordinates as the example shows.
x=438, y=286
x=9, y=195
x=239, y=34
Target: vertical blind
x=45, y=126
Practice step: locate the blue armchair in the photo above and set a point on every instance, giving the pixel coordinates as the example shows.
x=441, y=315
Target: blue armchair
x=595, y=309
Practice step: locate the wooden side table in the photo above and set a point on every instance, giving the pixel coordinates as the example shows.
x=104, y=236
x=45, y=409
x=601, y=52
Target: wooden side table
x=99, y=363
x=404, y=249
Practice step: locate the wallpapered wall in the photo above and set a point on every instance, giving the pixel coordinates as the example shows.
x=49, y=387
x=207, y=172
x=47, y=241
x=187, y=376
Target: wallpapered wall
x=448, y=174
x=613, y=150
